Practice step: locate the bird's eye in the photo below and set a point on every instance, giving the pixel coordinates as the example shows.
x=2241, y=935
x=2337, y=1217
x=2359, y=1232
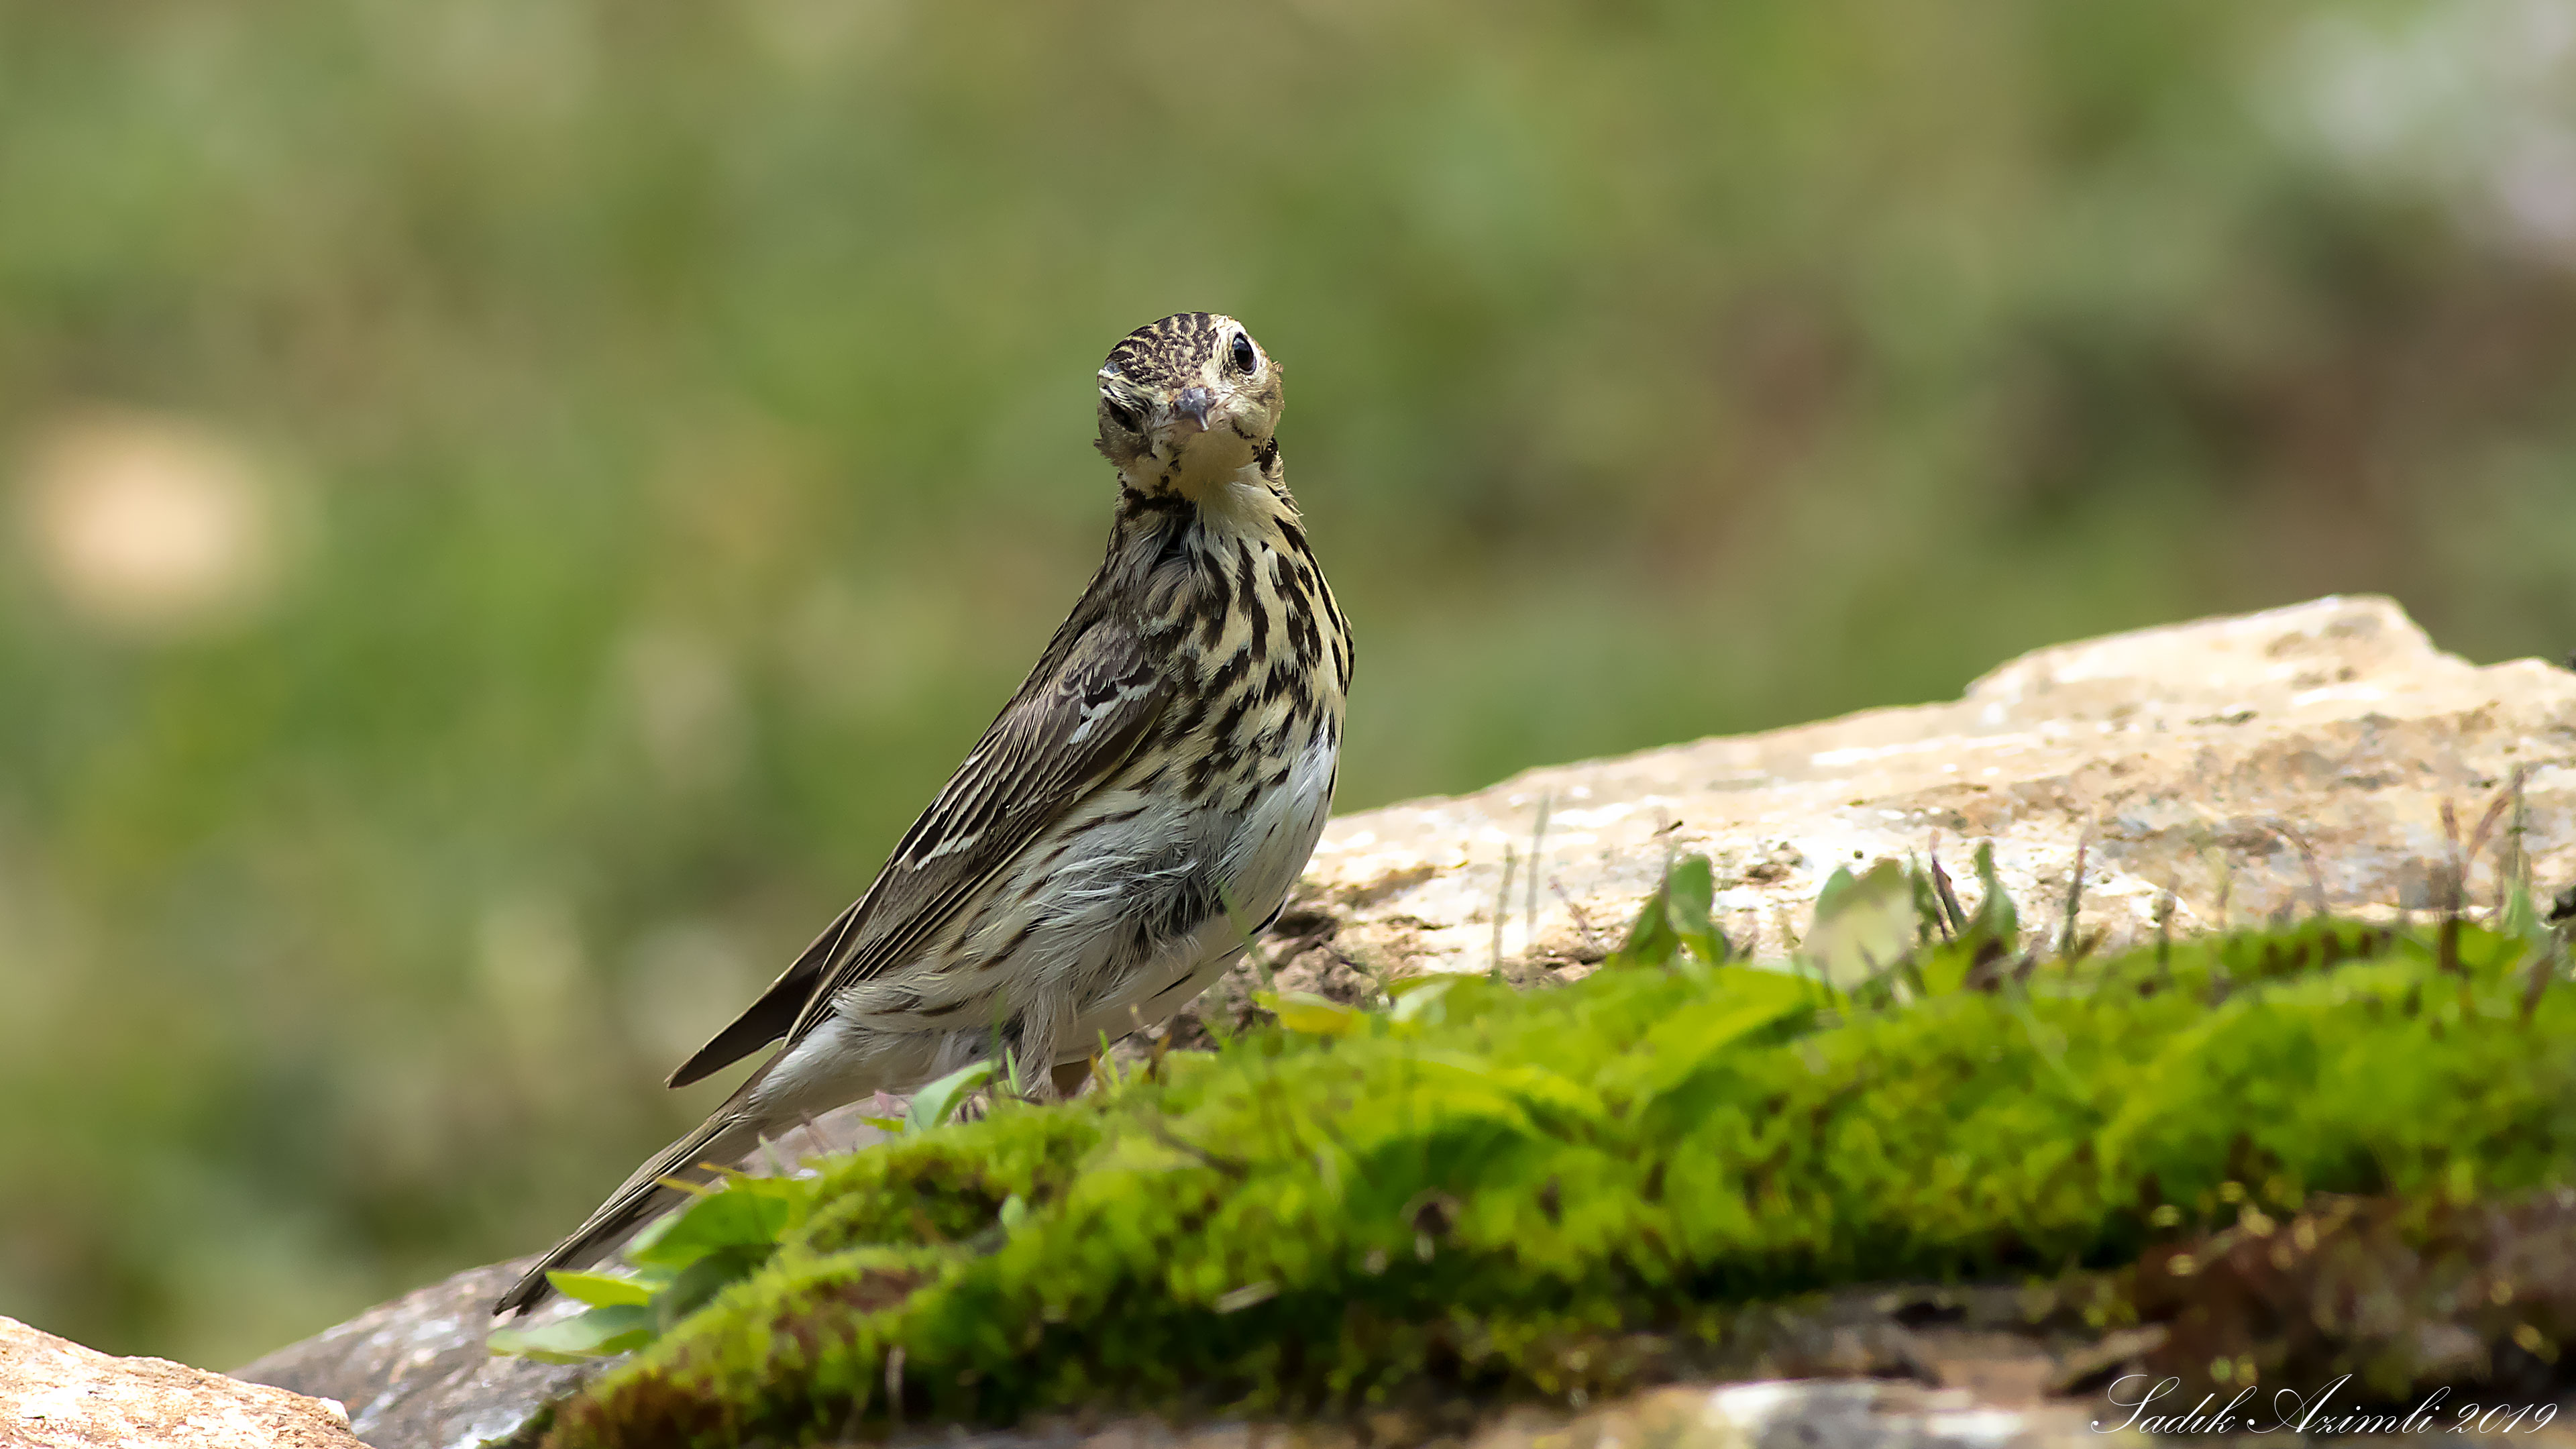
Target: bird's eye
x=1121, y=414
x=1245, y=359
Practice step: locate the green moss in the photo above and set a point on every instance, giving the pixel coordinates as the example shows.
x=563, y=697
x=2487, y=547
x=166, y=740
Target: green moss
x=1571, y=1190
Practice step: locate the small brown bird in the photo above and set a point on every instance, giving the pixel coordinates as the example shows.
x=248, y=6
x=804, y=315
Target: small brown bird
x=1139, y=809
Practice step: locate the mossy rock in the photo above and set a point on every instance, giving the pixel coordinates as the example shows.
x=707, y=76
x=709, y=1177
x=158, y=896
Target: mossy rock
x=1576, y=1191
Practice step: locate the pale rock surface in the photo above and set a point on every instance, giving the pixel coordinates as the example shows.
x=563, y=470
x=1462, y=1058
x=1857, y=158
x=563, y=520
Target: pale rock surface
x=2196, y=757
x=1811, y=1414
x=1772, y=1414
x=414, y=1372
x=55, y=1394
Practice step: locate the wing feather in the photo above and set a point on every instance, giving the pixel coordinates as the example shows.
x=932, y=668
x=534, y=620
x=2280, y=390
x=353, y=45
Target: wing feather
x=1093, y=696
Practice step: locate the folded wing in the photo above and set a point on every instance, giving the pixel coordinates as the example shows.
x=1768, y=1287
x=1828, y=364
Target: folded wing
x=1092, y=698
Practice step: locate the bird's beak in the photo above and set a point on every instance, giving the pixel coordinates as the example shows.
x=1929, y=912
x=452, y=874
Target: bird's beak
x=1193, y=403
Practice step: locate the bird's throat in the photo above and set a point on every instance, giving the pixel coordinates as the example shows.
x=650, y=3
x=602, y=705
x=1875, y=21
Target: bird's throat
x=1240, y=503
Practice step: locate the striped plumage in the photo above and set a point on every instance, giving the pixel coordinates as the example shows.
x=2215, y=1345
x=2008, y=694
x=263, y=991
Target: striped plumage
x=1141, y=807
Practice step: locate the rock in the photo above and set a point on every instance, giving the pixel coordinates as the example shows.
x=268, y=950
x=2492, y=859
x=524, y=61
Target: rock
x=55, y=1394
x=414, y=1372
x=2252, y=765
x=1773, y=1414
x=1809, y=1414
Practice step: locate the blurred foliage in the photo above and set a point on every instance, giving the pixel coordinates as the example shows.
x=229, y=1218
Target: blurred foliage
x=668, y=425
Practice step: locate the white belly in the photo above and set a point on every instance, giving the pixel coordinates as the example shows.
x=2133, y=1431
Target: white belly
x=1261, y=857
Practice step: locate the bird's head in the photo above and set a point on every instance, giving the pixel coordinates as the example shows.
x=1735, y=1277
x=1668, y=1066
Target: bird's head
x=1187, y=402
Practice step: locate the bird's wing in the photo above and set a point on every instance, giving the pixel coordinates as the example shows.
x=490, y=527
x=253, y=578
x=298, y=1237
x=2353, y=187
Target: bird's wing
x=1074, y=722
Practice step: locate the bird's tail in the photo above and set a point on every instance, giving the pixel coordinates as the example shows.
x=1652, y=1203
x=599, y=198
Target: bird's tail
x=720, y=1142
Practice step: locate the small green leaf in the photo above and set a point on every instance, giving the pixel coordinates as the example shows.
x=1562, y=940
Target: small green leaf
x=1419, y=999
x=1829, y=898
x=2522, y=916
x=704, y=1279
x=1690, y=900
x=1756, y=985
x=1015, y=1211
x=1651, y=941
x=640, y=1246
x=1946, y=969
x=933, y=1105
x=1996, y=918
x=600, y=1289
x=748, y=1213
x=1743, y=1000
x=1307, y=1014
x=1862, y=928
x=885, y=1124
x=593, y=1334
x=1465, y=999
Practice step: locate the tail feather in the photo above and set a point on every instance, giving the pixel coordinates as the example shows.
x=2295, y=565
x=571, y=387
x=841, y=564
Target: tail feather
x=718, y=1143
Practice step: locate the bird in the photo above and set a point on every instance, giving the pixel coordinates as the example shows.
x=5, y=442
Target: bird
x=1135, y=815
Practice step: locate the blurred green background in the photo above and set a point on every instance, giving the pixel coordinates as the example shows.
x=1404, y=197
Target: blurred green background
x=512, y=504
